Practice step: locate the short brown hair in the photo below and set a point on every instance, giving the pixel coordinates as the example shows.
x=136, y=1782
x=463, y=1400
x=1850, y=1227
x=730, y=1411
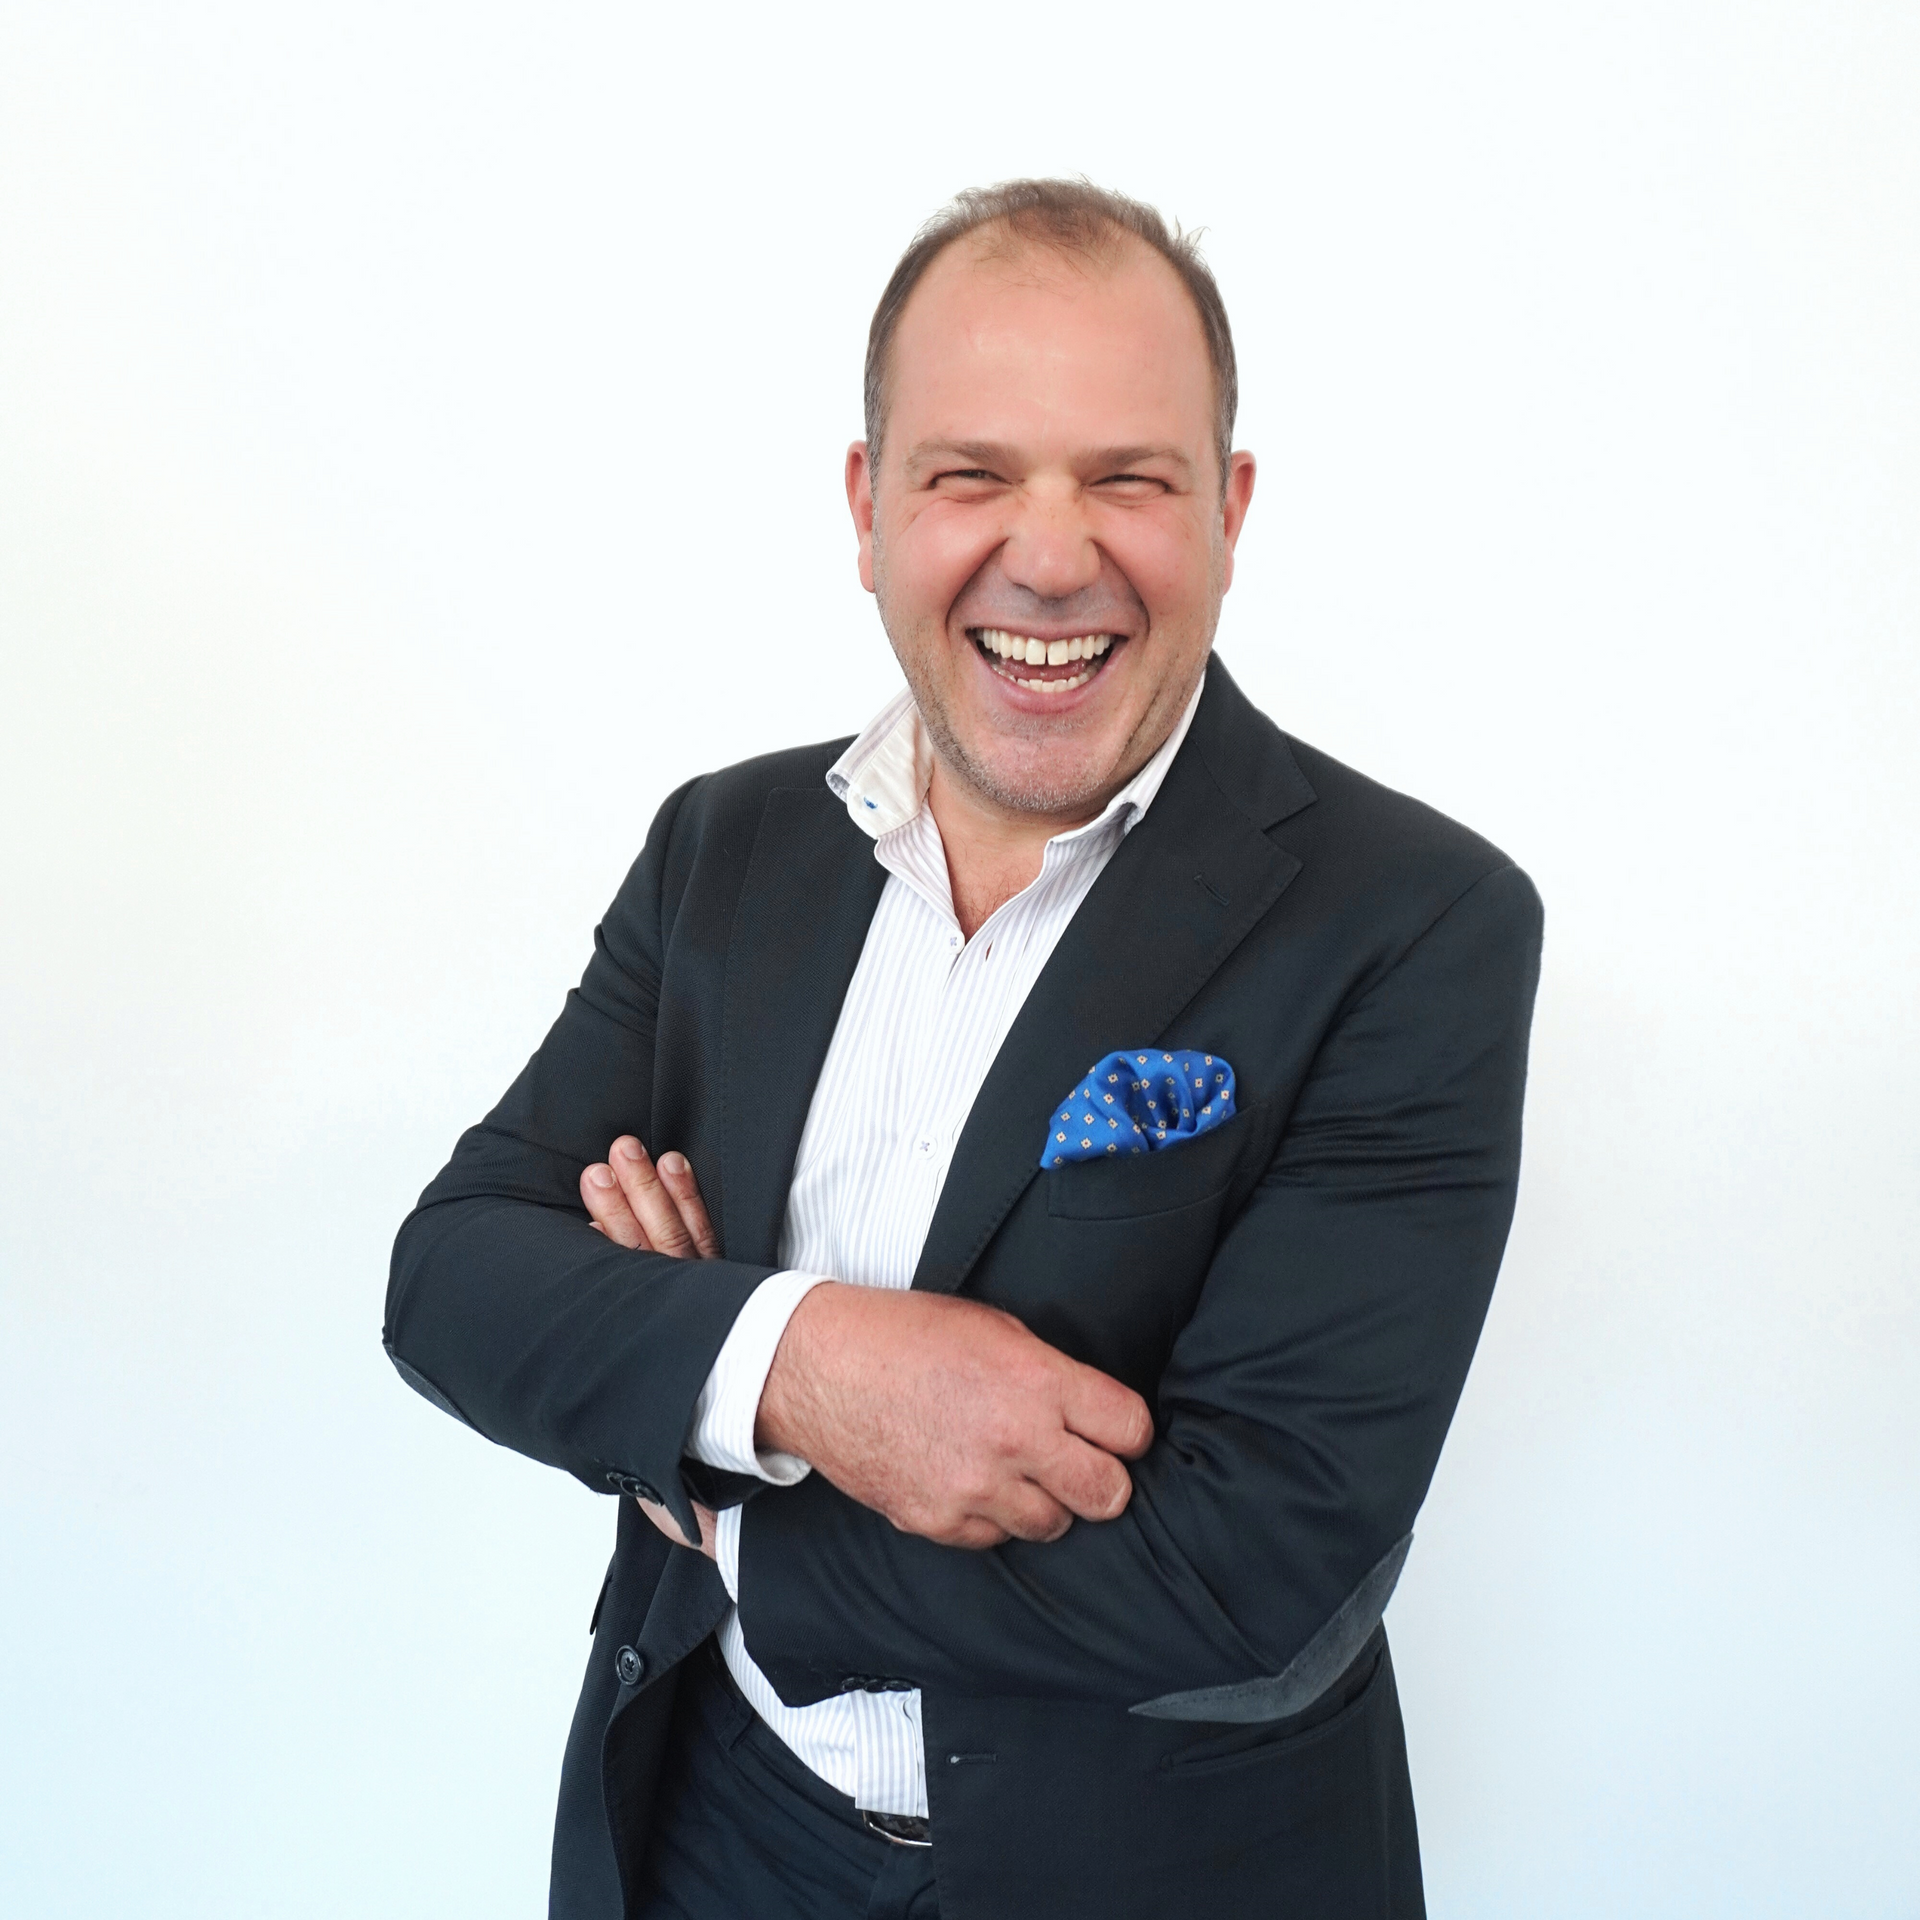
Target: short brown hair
x=1073, y=217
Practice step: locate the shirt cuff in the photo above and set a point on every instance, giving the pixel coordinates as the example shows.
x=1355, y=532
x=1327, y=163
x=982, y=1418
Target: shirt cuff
x=729, y=1403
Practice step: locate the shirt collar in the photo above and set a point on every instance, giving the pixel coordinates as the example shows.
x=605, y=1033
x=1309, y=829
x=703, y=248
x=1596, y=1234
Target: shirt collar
x=882, y=778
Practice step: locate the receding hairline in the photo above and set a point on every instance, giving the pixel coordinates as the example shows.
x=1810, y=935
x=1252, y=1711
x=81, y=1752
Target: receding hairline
x=1078, y=225
x=1002, y=237
x=999, y=245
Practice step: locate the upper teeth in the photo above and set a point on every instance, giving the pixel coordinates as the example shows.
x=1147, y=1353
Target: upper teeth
x=1044, y=653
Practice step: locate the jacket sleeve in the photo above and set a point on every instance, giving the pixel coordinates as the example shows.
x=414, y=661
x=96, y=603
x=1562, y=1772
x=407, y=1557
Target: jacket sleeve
x=505, y=1307
x=1300, y=1416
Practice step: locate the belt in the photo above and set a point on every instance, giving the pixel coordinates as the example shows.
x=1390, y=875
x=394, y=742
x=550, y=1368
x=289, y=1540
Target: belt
x=903, y=1829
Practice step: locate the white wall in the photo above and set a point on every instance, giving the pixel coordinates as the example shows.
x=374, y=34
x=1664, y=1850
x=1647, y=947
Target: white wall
x=420, y=433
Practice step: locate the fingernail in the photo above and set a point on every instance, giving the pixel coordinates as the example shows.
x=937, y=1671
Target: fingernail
x=600, y=1176
x=627, y=1149
x=673, y=1163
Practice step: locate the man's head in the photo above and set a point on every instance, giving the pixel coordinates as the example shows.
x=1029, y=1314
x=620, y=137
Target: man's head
x=1050, y=399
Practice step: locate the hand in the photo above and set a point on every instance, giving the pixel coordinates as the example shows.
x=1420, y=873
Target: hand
x=656, y=1210
x=668, y=1525
x=949, y=1417
x=659, y=1210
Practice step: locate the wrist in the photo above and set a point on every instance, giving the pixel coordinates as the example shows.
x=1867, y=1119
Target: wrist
x=784, y=1421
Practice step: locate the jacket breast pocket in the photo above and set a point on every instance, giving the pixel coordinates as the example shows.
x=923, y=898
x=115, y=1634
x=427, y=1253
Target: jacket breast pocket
x=1130, y=1186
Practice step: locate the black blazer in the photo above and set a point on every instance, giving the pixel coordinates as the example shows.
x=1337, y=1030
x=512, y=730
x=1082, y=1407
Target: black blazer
x=1190, y=1708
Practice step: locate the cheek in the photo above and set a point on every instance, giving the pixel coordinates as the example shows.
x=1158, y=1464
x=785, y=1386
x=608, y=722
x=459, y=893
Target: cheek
x=1168, y=560
x=932, y=554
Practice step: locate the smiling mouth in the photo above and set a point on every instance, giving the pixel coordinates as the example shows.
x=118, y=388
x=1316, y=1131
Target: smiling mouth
x=1045, y=666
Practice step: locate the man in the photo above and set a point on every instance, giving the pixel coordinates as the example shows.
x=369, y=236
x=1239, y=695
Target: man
x=1088, y=1124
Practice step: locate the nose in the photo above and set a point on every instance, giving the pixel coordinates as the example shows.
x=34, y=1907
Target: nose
x=1049, y=548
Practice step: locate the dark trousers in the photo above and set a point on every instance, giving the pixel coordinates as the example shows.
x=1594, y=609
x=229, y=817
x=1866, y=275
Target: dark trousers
x=742, y=1830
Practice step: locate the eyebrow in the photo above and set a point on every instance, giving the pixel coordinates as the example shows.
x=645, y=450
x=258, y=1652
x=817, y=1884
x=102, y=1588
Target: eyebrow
x=1119, y=459
x=985, y=453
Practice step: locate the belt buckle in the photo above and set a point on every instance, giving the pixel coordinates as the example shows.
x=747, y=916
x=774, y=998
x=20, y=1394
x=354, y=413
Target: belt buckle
x=901, y=1829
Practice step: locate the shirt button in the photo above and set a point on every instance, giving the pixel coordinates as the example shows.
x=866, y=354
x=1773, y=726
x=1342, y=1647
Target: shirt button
x=926, y=1147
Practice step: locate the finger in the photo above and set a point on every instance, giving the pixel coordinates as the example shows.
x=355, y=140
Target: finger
x=709, y=1529
x=1029, y=1512
x=652, y=1204
x=973, y=1533
x=1098, y=1408
x=606, y=1205
x=678, y=1176
x=1085, y=1479
x=667, y=1524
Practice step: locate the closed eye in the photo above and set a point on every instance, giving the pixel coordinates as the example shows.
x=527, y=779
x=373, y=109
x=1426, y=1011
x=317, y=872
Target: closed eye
x=965, y=483
x=1132, y=486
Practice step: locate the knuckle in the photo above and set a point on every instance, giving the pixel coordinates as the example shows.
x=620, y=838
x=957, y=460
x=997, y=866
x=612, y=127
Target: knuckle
x=974, y=1489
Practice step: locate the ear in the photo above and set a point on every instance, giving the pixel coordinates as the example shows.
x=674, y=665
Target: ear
x=1237, y=497
x=860, y=502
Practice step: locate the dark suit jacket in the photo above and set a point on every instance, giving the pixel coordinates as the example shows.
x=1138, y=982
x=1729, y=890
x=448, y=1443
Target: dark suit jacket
x=1190, y=1708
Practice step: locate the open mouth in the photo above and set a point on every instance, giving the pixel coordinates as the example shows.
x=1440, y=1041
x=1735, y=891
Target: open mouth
x=1045, y=666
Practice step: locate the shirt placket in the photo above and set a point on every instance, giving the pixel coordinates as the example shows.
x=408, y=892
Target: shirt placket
x=938, y=1126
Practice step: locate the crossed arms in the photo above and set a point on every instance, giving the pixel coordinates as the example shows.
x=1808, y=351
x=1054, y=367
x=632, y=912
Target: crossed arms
x=1297, y=1423
x=945, y=1416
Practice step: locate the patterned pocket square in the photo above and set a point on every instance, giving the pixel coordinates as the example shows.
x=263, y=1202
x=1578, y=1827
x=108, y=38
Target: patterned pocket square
x=1138, y=1103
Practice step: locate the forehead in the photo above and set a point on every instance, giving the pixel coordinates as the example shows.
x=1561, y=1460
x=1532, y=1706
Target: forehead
x=1006, y=339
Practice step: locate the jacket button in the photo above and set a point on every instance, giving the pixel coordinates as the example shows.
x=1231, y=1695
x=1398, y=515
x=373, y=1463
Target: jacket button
x=629, y=1666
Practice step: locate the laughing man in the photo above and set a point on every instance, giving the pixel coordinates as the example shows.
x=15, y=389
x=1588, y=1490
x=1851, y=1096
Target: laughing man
x=1010, y=1206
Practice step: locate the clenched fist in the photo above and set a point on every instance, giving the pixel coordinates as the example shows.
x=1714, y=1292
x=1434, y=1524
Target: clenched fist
x=949, y=1417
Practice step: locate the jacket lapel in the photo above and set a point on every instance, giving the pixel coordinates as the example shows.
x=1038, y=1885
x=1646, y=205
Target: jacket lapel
x=1185, y=887
x=811, y=887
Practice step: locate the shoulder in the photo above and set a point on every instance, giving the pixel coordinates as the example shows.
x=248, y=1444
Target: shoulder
x=704, y=831
x=1373, y=856
x=1370, y=821
x=739, y=793
x=715, y=816
x=1375, y=864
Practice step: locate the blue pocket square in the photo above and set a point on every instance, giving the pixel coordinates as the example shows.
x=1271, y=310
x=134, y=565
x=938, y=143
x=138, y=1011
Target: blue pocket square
x=1137, y=1103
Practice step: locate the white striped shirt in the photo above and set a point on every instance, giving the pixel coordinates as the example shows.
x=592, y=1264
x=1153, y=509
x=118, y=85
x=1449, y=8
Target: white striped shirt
x=924, y=1016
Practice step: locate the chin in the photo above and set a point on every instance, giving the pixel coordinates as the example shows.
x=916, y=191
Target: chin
x=1025, y=783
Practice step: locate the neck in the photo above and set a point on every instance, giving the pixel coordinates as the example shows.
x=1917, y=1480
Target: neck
x=992, y=852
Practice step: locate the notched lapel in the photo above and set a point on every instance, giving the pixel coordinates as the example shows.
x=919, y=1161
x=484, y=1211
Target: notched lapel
x=1187, y=885
x=809, y=894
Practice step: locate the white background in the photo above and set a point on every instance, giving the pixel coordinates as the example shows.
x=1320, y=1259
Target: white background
x=420, y=441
